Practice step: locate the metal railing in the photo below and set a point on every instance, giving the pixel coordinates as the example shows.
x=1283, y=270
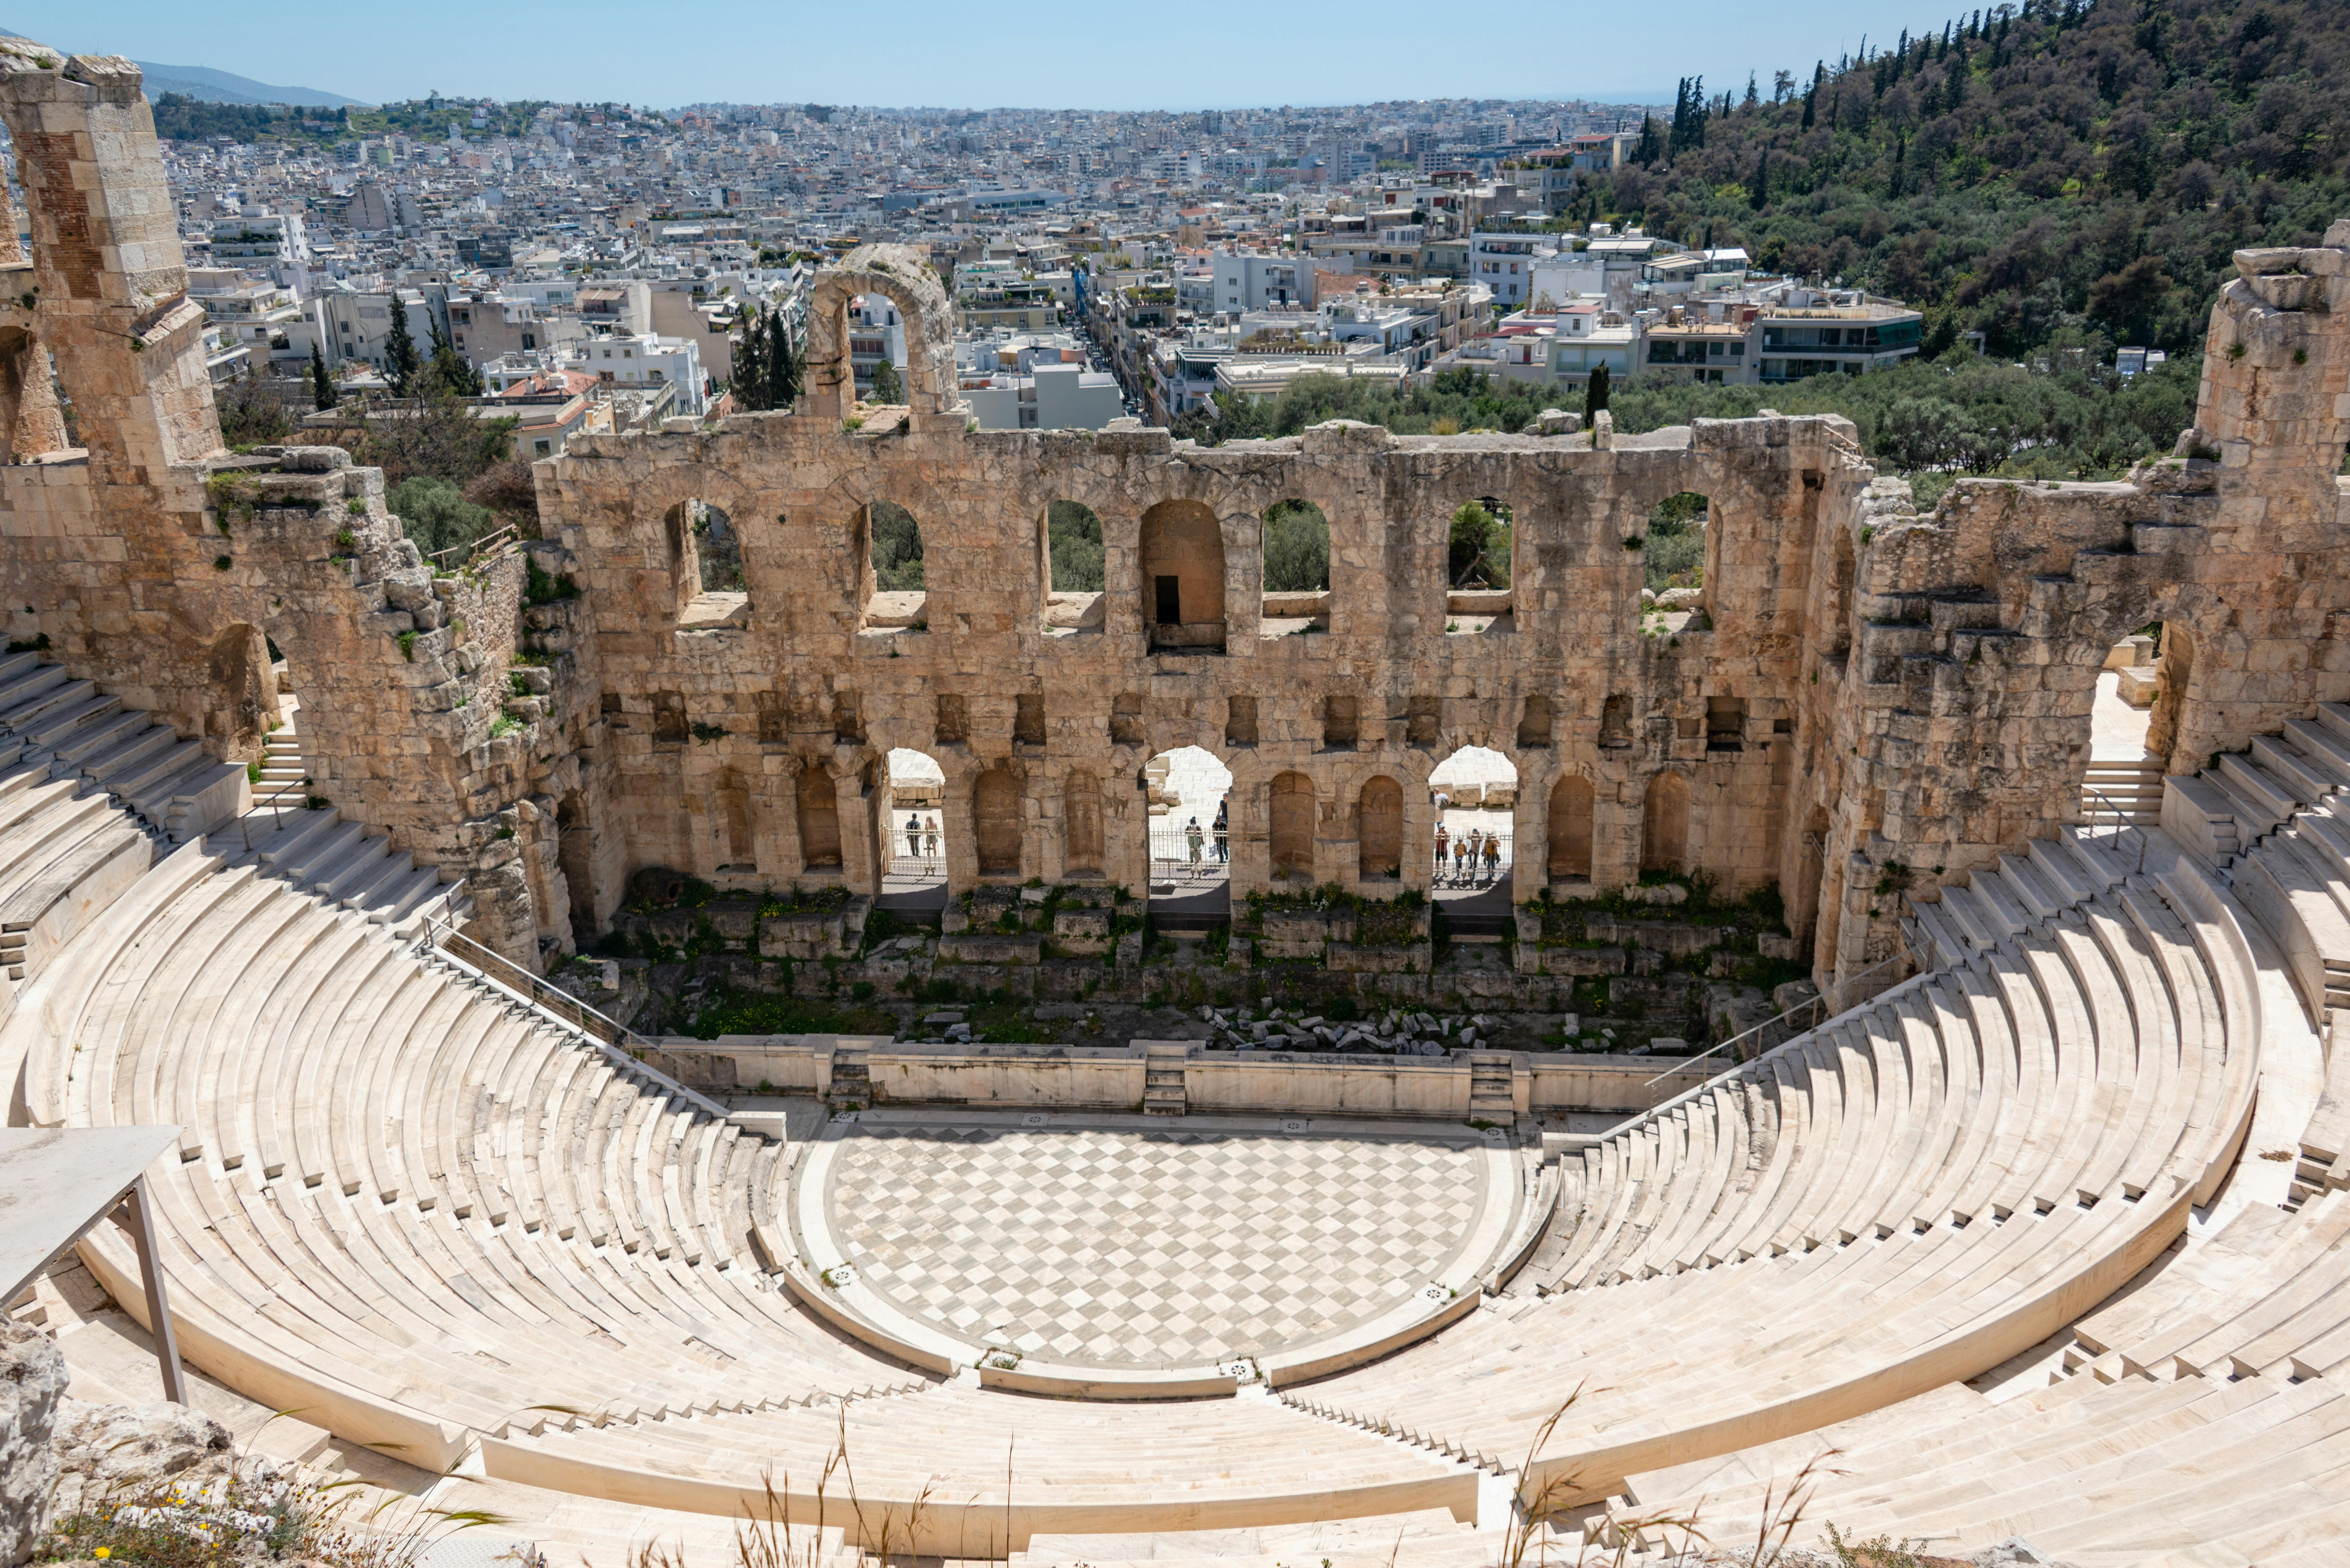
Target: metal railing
x=1476, y=859
x=1172, y=858
x=495, y=970
x=2120, y=821
x=495, y=541
x=1821, y=1008
x=276, y=811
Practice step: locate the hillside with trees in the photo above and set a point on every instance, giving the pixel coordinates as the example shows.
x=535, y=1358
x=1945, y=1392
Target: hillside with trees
x=2022, y=171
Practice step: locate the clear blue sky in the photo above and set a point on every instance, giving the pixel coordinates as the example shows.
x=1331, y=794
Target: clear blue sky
x=1051, y=54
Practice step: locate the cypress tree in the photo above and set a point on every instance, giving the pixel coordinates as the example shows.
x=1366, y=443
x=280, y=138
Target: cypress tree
x=750, y=369
x=1758, y=195
x=1595, y=394
x=400, y=359
x=323, y=395
x=784, y=367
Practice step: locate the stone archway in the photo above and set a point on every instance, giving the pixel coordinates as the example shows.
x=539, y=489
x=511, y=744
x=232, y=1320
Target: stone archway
x=819, y=802
x=1290, y=798
x=1664, y=824
x=1380, y=829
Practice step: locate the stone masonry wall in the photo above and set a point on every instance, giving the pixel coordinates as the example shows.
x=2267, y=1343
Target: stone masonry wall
x=1868, y=696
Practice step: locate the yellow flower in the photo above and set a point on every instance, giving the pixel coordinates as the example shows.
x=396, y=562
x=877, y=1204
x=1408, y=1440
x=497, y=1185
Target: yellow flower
x=103, y=1553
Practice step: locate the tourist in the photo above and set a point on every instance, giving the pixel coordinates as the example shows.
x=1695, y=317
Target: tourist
x=1191, y=840
x=1459, y=859
x=1492, y=853
x=931, y=838
x=1441, y=840
x=1223, y=834
x=913, y=836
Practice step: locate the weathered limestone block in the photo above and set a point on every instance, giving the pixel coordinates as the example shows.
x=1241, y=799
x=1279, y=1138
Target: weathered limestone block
x=1581, y=961
x=32, y=1386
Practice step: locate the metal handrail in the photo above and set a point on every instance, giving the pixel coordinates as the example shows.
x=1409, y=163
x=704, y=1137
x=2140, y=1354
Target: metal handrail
x=1901, y=957
x=488, y=544
x=2120, y=822
x=276, y=812
x=606, y=1032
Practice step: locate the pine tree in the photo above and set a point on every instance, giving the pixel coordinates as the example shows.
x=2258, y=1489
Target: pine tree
x=887, y=389
x=448, y=369
x=399, y=356
x=323, y=395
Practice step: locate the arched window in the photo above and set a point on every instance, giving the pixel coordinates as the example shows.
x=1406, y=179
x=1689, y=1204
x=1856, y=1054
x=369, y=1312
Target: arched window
x=1183, y=578
x=1672, y=561
x=996, y=812
x=718, y=549
x=1081, y=806
x=1292, y=823
x=1071, y=568
x=819, y=814
x=1380, y=830
x=893, y=573
x=1479, y=547
x=1664, y=825
x=1570, y=829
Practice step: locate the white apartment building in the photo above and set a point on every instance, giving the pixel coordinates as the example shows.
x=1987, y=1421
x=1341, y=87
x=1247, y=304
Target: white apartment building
x=1504, y=262
x=1246, y=282
x=1587, y=336
x=647, y=362
x=1067, y=397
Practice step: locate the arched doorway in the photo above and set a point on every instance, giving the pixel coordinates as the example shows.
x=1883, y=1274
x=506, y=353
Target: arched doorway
x=912, y=820
x=1290, y=821
x=1378, y=830
x=575, y=857
x=1183, y=578
x=819, y=802
x=1475, y=793
x=1570, y=829
x=1187, y=792
x=1664, y=825
x=996, y=813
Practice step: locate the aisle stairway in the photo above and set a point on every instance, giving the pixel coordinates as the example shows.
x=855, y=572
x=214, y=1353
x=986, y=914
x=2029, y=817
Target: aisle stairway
x=176, y=787
x=2122, y=792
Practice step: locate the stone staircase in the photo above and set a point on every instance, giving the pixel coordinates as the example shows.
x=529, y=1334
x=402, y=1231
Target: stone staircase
x=1164, y=1090
x=346, y=864
x=2122, y=793
x=1493, y=1093
x=175, y=788
x=283, y=769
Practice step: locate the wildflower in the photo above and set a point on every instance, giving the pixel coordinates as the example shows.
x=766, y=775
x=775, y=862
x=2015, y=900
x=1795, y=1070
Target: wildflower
x=103, y=1553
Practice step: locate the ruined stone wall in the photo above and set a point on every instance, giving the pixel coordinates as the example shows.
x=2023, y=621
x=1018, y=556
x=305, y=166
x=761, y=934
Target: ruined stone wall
x=695, y=705
x=1868, y=696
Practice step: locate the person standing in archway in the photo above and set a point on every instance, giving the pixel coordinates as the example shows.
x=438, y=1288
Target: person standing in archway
x=913, y=836
x=1192, y=843
x=1223, y=833
x=1443, y=841
x=930, y=839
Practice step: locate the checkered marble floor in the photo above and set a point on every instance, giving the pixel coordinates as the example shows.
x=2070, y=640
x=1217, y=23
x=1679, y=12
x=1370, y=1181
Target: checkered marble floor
x=1117, y=1246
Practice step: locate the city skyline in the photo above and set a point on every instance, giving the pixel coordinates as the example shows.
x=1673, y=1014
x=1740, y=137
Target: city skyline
x=1066, y=57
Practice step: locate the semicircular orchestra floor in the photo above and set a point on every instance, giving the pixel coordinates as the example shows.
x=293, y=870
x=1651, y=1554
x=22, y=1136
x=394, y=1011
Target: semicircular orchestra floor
x=1116, y=1242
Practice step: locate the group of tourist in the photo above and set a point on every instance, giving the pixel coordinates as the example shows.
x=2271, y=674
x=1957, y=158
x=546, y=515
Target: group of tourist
x=921, y=838
x=1470, y=851
x=1218, y=843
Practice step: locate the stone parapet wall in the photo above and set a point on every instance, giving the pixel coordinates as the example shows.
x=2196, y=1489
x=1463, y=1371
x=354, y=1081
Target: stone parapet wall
x=1287, y=1083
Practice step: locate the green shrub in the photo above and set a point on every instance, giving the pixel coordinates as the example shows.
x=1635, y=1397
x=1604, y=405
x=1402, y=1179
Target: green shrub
x=435, y=515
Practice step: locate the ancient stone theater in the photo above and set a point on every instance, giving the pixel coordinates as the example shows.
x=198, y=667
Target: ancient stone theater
x=2034, y=1221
